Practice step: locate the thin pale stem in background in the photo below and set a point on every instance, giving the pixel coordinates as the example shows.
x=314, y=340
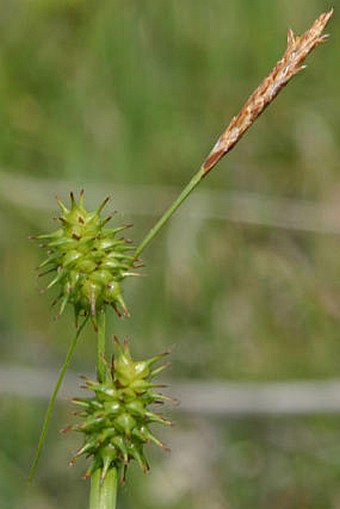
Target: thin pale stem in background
x=53, y=398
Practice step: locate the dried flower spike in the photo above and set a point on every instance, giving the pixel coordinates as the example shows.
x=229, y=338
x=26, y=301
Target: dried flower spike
x=116, y=421
x=298, y=48
x=90, y=261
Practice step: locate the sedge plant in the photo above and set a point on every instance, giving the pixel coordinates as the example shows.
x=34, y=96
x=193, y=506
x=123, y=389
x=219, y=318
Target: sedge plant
x=89, y=262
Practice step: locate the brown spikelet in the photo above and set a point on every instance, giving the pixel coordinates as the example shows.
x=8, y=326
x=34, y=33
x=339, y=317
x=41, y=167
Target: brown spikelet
x=298, y=48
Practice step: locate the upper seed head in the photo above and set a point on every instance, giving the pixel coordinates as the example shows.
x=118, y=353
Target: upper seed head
x=89, y=260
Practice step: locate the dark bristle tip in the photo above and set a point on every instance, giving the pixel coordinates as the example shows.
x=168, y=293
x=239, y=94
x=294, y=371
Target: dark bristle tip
x=106, y=220
x=118, y=313
x=65, y=430
x=165, y=353
x=139, y=266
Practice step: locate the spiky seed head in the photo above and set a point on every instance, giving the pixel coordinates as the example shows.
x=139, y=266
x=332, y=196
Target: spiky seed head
x=89, y=260
x=116, y=420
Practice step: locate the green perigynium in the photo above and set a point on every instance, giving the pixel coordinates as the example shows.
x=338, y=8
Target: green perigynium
x=116, y=420
x=89, y=260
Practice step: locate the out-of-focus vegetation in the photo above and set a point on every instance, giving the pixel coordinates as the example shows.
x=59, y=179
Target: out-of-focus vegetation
x=130, y=93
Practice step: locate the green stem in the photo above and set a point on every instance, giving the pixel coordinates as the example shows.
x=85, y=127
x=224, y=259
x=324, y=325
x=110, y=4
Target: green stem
x=103, y=493
x=101, y=346
x=95, y=489
x=170, y=211
x=49, y=410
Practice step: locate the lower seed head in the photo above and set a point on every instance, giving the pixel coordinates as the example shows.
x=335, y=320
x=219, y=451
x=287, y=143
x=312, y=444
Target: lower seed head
x=117, y=427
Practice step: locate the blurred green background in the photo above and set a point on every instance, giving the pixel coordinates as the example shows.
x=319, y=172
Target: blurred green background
x=126, y=98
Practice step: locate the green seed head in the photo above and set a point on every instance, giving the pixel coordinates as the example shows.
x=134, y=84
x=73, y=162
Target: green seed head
x=89, y=260
x=116, y=420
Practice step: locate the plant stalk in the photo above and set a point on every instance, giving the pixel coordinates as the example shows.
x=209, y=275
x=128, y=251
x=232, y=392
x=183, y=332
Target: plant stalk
x=103, y=494
x=101, y=346
x=171, y=210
